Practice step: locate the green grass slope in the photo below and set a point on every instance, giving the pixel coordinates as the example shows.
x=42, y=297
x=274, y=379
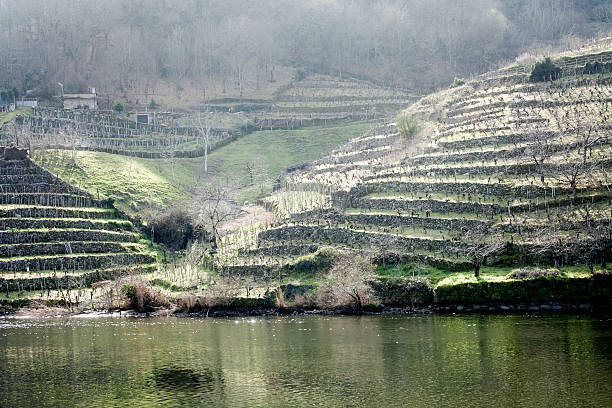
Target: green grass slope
x=136, y=183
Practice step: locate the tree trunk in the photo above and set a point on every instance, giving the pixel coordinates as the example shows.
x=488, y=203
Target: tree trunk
x=206, y=157
x=476, y=270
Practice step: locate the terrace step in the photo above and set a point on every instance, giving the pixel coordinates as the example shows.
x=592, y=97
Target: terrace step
x=46, y=199
x=344, y=236
x=63, y=235
x=44, y=280
x=243, y=270
x=283, y=250
x=36, y=188
x=19, y=171
x=27, y=211
x=76, y=247
x=74, y=261
x=15, y=164
x=40, y=223
x=29, y=178
x=372, y=217
x=448, y=187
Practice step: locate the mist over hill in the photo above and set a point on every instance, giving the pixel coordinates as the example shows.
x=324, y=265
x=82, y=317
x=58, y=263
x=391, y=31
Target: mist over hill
x=235, y=48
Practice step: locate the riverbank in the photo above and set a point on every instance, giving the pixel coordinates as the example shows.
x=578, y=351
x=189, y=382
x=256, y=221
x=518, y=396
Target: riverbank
x=385, y=296
x=41, y=311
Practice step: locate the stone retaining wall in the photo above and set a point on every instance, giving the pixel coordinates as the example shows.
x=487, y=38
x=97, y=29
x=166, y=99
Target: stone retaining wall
x=76, y=262
x=319, y=234
x=247, y=270
x=390, y=220
x=18, y=237
x=38, y=188
x=55, y=248
x=426, y=205
x=25, y=223
x=279, y=250
x=64, y=281
x=46, y=199
x=55, y=212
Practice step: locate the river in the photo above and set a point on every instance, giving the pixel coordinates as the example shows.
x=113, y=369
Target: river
x=558, y=360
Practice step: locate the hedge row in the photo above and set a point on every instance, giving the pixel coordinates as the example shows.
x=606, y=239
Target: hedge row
x=597, y=288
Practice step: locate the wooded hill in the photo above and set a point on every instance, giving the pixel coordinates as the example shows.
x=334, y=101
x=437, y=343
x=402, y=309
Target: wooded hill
x=189, y=52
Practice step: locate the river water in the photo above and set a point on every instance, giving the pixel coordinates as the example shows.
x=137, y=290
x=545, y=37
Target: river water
x=412, y=361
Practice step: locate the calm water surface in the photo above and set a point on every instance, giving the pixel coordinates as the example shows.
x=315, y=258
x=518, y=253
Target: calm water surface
x=455, y=361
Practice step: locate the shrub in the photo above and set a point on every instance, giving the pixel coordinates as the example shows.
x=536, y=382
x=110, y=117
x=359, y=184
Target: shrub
x=402, y=291
x=173, y=228
x=313, y=264
x=407, y=125
x=299, y=75
x=118, y=106
x=594, y=68
x=128, y=291
x=533, y=273
x=457, y=82
x=305, y=300
x=545, y=71
x=290, y=291
x=107, y=202
x=142, y=298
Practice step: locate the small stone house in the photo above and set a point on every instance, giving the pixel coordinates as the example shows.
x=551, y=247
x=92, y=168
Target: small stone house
x=81, y=100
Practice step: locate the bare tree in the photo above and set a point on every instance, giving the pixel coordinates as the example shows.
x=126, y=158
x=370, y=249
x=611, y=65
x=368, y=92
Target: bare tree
x=580, y=163
x=482, y=242
x=206, y=120
x=213, y=205
x=599, y=241
x=539, y=150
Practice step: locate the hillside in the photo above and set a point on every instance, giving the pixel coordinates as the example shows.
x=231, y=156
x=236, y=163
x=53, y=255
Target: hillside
x=143, y=166
x=502, y=171
x=182, y=54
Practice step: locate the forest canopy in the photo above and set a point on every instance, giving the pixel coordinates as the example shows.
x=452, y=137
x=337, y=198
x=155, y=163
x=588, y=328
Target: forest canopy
x=416, y=44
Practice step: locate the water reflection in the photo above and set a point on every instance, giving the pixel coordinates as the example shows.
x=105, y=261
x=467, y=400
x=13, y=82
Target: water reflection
x=458, y=361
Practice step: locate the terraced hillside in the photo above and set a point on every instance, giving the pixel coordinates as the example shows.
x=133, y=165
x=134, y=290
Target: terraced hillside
x=53, y=235
x=106, y=132
x=323, y=99
x=501, y=171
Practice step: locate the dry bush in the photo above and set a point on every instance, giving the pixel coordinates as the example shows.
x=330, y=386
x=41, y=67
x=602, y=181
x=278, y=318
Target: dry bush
x=193, y=303
x=141, y=297
x=305, y=300
x=345, y=283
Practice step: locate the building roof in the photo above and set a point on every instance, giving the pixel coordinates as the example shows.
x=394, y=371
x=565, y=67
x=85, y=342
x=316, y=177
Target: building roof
x=79, y=96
